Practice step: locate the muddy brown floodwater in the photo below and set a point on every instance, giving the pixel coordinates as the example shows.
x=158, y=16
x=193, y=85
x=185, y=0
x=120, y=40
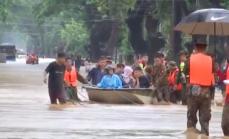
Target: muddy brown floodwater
x=25, y=113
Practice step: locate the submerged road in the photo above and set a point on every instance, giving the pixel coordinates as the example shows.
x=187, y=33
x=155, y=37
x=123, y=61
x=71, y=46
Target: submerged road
x=25, y=113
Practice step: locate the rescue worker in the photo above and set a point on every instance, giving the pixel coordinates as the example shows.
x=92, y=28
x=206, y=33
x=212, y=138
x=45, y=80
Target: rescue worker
x=159, y=79
x=162, y=57
x=182, y=76
x=148, y=74
x=174, y=87
x=56, y=79
x=71, y=76
x=225, y=117
x=143, y=62
x=199, y=97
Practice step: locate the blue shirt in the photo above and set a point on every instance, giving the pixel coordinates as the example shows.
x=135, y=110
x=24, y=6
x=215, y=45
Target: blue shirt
x=110, y=82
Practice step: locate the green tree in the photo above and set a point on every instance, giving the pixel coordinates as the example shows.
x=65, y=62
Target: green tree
x=75, y=35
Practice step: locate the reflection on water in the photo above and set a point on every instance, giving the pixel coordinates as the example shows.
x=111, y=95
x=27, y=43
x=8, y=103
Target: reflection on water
x=26, y=113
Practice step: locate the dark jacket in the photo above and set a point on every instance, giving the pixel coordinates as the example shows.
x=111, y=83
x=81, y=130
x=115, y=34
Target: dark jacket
x=95, y=75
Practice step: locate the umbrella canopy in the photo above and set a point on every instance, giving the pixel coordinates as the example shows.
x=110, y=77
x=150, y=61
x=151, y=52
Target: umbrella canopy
x=206, y=22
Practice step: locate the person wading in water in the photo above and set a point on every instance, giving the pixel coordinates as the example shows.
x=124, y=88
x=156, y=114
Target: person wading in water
x=199, y=98
x=56, y=79
x=71, y=78
x=225, y=117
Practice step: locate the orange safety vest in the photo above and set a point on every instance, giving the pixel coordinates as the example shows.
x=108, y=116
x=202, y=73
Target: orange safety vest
x=172, y=80
x=201, y=72
x=227, y=86
x=71, y=77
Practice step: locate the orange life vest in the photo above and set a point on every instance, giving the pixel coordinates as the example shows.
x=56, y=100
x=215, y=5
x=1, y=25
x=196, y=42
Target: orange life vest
x=227, y=86
x=201, y=72
x=71, y=77
x=172, y=80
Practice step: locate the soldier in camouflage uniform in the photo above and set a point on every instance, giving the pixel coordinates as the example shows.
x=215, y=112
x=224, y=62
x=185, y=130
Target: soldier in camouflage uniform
x=199, y=97
x=160, y=79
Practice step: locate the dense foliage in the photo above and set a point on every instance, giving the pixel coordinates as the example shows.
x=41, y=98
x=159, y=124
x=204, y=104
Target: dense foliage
x=98, y=27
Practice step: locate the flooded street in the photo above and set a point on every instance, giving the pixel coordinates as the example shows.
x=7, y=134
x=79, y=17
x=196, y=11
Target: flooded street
x=25, y=113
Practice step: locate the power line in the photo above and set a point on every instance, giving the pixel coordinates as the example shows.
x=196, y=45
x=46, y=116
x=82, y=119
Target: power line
x=59, y=24
x=21, y=32
x=28, y=24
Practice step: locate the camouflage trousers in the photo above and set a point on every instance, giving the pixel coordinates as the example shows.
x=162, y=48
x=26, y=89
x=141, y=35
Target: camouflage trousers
x=199, y=100
x=163, y=94
x=225, y=120
x=184, y=94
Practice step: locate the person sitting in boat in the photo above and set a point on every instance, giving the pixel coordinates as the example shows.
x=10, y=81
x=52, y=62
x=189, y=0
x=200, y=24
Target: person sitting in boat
x=127, y=76
x=119, y=70
x=110, y=80
x=139, y=79
x=97, y=73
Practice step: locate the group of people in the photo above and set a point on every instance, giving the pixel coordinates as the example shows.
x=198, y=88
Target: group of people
x=190, y=82
x=166, y=77
x=108, y=76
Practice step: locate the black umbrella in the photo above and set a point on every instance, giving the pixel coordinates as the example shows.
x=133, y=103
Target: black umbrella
x=206, y=22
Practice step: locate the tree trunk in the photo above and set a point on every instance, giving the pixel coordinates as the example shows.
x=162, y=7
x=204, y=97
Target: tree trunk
x=140, y=19
x=112, y=41
x=176, y=36
x=135, y=24
x=155, y=40
x=103, y=34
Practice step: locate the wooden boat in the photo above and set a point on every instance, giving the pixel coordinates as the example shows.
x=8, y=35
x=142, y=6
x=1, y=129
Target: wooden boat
x=120, y=96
